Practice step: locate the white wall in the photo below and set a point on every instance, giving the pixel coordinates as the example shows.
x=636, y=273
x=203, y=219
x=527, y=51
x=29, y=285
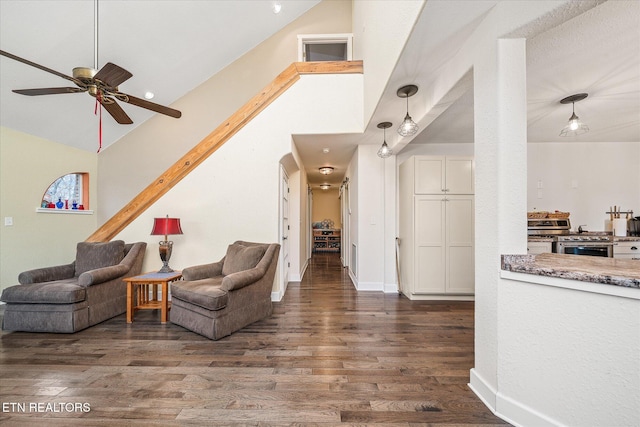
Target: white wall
x=234, y=194
x=370, y=218
x=28, y=166
x=568, y=357
x=326, y=205
x=380, y=31
x=584, y=179
x=165, y=139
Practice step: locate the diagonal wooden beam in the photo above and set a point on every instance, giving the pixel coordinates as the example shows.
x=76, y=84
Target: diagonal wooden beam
x=215, y=140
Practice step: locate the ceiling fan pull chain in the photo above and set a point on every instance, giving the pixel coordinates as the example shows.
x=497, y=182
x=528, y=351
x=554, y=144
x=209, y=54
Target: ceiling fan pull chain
x=95, y=111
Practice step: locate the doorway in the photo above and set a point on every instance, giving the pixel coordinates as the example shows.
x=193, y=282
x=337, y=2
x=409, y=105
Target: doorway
x=284, y=228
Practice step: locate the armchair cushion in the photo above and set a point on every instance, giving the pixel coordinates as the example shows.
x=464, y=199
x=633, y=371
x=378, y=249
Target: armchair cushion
x=240, y=257
x=241, y=279
x=100, y=275
x=47, y=274
x=202, y=271
x=93, y=255
x=59, y=292
x=205, y=293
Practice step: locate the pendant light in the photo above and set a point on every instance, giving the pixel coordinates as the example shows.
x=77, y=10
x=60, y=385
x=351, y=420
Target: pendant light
x=575, y=126
x=408, y=127
x=384, y=151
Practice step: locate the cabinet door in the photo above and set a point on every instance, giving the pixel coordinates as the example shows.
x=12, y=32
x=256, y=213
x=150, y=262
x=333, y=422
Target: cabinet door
x=459, y=219
x=459, y=175
x=429, y=245
x=429, y=175
x=536, y=248
x=627, y=250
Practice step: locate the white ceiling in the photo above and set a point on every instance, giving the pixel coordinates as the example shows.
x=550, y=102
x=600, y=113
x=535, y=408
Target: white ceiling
x=173, y=46
x=170, y=47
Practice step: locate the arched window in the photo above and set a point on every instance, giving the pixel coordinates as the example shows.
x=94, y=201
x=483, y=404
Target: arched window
x=70, y=191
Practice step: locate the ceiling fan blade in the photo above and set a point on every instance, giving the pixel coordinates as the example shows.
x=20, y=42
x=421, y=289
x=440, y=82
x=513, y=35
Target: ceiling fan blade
x=48, y=91
x=116, y=111
x=41, y=67
x=112, y=75
x=151, y=106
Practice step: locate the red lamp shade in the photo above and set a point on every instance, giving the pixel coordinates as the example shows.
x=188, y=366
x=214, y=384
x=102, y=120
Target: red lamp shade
x=166, y=226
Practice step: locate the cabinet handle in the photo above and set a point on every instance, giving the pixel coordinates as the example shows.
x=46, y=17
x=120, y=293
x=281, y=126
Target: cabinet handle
x=634, y=248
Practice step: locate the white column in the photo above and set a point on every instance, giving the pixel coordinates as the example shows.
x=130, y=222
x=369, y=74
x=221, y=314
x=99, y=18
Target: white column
x=390, y=224
x=500, y=154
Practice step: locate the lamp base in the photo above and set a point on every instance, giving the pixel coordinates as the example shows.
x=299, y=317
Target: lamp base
x=166, y=269
x=165, y=254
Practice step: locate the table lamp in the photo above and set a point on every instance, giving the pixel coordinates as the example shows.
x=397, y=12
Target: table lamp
x=165, y=227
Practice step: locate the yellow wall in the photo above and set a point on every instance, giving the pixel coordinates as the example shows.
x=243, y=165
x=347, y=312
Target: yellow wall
x=326, y=205
x=28, y=166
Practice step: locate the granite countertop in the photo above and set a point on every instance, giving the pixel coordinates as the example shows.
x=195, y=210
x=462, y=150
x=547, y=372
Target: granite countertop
x=589, y=233
x=626, y=238
x=540, y=239
x=609, y=271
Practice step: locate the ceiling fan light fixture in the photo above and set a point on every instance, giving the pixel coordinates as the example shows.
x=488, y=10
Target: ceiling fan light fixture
x=384, y=150
x=408, y=127
x=575, y=126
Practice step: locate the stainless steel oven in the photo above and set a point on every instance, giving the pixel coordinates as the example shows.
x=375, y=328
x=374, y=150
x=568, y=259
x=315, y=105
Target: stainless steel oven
x=584, y=245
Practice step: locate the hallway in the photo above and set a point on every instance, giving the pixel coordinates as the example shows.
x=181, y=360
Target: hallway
x=328, y=356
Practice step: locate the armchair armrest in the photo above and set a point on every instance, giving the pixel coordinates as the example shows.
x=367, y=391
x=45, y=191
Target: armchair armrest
x=241, y=279
x=47, y=274
x=202, y=271
x=101, y=275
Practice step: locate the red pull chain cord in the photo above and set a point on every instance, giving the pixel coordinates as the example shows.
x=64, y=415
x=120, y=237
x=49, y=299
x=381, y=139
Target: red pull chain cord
x=95, y=111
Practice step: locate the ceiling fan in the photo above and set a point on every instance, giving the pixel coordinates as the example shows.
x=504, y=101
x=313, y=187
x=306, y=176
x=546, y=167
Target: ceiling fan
x=102, y=84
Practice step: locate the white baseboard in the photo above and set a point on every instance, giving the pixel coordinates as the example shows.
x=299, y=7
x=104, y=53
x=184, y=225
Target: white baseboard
x=520, y=414
x=276, y=296
x=506, y=408
x=391, y=288
x=483, y=390
x=370, y=286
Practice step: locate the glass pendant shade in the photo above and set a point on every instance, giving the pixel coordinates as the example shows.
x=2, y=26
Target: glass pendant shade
x=384, y=151
x=575, y=126
x=408, y=127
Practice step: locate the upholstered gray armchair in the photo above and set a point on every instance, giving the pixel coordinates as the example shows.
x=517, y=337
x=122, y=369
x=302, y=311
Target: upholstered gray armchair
x=218, y=299
x=71, y=297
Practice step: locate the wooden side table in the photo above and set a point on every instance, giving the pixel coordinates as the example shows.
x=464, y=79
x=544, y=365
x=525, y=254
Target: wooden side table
x=138, y=297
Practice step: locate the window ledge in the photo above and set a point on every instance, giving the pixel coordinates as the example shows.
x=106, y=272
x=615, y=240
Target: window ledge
x=65, y=211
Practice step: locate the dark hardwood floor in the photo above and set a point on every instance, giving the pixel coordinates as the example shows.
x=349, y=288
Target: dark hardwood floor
x=328, y=356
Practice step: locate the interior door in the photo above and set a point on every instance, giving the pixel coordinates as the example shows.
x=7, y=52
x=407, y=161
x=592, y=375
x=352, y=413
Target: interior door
x=284, y=227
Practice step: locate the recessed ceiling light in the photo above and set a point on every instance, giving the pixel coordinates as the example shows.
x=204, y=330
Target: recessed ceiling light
x=325, y=150
x=149, y=95
x=277, y=7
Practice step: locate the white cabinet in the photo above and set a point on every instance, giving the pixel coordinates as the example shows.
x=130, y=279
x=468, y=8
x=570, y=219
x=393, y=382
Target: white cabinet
x=436, y=230
x=443, y=175
x=536, y=248
x=627, y=250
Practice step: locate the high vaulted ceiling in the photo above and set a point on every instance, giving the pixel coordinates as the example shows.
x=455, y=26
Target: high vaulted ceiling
x=174, y=46
x=169, y=46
